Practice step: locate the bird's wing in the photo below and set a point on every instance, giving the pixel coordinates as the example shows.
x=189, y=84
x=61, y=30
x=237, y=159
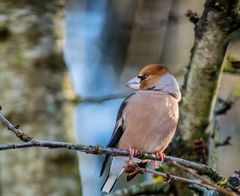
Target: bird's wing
x=118, y=131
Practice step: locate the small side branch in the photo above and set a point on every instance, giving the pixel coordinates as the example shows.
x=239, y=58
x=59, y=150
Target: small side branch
x=155, y=188
x=204, y=181
x=201, y=182
x=15, y=129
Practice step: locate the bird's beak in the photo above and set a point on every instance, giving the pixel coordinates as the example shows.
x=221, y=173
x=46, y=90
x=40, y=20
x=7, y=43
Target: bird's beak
x=134, y=83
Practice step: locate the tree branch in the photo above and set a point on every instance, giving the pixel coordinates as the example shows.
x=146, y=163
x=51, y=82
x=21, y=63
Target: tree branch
x=200, y=183
x=201, y=168
x=203, y=180
x=28, y=142
x=121, y=152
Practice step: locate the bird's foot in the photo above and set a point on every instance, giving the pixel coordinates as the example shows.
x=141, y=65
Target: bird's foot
x=155, y=164
x=132, y=153
x=159, y=154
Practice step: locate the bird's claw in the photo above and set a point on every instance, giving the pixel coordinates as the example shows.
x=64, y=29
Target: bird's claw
x=159, y=154
x=132, y=153
x=155, y=164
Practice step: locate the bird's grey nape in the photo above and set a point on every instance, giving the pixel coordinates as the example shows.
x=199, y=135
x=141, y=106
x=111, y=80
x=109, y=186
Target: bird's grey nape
x=168, y=83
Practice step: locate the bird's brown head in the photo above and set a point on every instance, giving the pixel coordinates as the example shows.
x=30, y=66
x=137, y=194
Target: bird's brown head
x=148, y=77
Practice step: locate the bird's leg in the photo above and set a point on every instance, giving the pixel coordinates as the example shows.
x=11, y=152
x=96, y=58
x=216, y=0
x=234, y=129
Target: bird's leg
x=132, y=153
x=155, y=164
x=160, y=155
x=131, y=168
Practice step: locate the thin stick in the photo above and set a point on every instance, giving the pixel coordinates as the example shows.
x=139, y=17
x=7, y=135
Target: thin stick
x=203, y=180
x=177, y=178
x=17, y=131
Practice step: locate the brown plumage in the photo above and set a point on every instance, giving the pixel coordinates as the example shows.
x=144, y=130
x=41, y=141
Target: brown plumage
x=149, y=126
x=147, y=119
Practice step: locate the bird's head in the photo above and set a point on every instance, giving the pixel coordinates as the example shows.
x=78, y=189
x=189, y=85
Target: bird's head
x=148, y=77
x=155, y=77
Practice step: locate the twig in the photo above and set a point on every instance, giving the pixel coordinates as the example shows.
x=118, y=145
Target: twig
x=201, y=168
x=199, y=182
x=204, y=180
x=177, y=178
x=136, y=190
x=15, y=129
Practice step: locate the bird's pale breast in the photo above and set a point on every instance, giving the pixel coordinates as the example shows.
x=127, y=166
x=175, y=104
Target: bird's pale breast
x=150, y=120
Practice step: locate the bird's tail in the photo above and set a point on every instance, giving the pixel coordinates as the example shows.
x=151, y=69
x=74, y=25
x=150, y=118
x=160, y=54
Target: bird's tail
x=109, y=183
x=116, y=170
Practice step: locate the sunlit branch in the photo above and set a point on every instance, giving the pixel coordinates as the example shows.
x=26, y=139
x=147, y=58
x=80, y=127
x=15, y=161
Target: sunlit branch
x=28, y=142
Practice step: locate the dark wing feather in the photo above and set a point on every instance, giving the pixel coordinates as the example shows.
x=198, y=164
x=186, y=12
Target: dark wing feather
x=119, y=127
x=117, y=133
x=112, y=143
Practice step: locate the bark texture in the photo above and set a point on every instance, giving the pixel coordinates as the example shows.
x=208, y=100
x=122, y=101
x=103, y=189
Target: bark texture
x=219, y=19
x=31, y=82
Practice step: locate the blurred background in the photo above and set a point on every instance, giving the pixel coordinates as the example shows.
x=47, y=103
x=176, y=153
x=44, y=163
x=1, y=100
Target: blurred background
x=63, y=69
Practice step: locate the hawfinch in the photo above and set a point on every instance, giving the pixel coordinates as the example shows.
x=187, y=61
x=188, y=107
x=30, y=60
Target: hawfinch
x=146, y=120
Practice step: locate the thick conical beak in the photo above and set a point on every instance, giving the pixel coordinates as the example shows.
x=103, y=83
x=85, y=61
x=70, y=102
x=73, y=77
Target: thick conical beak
x=134, y=83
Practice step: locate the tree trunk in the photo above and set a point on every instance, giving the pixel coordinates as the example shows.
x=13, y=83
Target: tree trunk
x=212, y=30
x=31, y=82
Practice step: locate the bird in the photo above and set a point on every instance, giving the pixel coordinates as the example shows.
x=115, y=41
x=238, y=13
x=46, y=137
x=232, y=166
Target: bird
x=146, y=120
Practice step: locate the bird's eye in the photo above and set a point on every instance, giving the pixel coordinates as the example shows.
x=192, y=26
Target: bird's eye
x=143, y=77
